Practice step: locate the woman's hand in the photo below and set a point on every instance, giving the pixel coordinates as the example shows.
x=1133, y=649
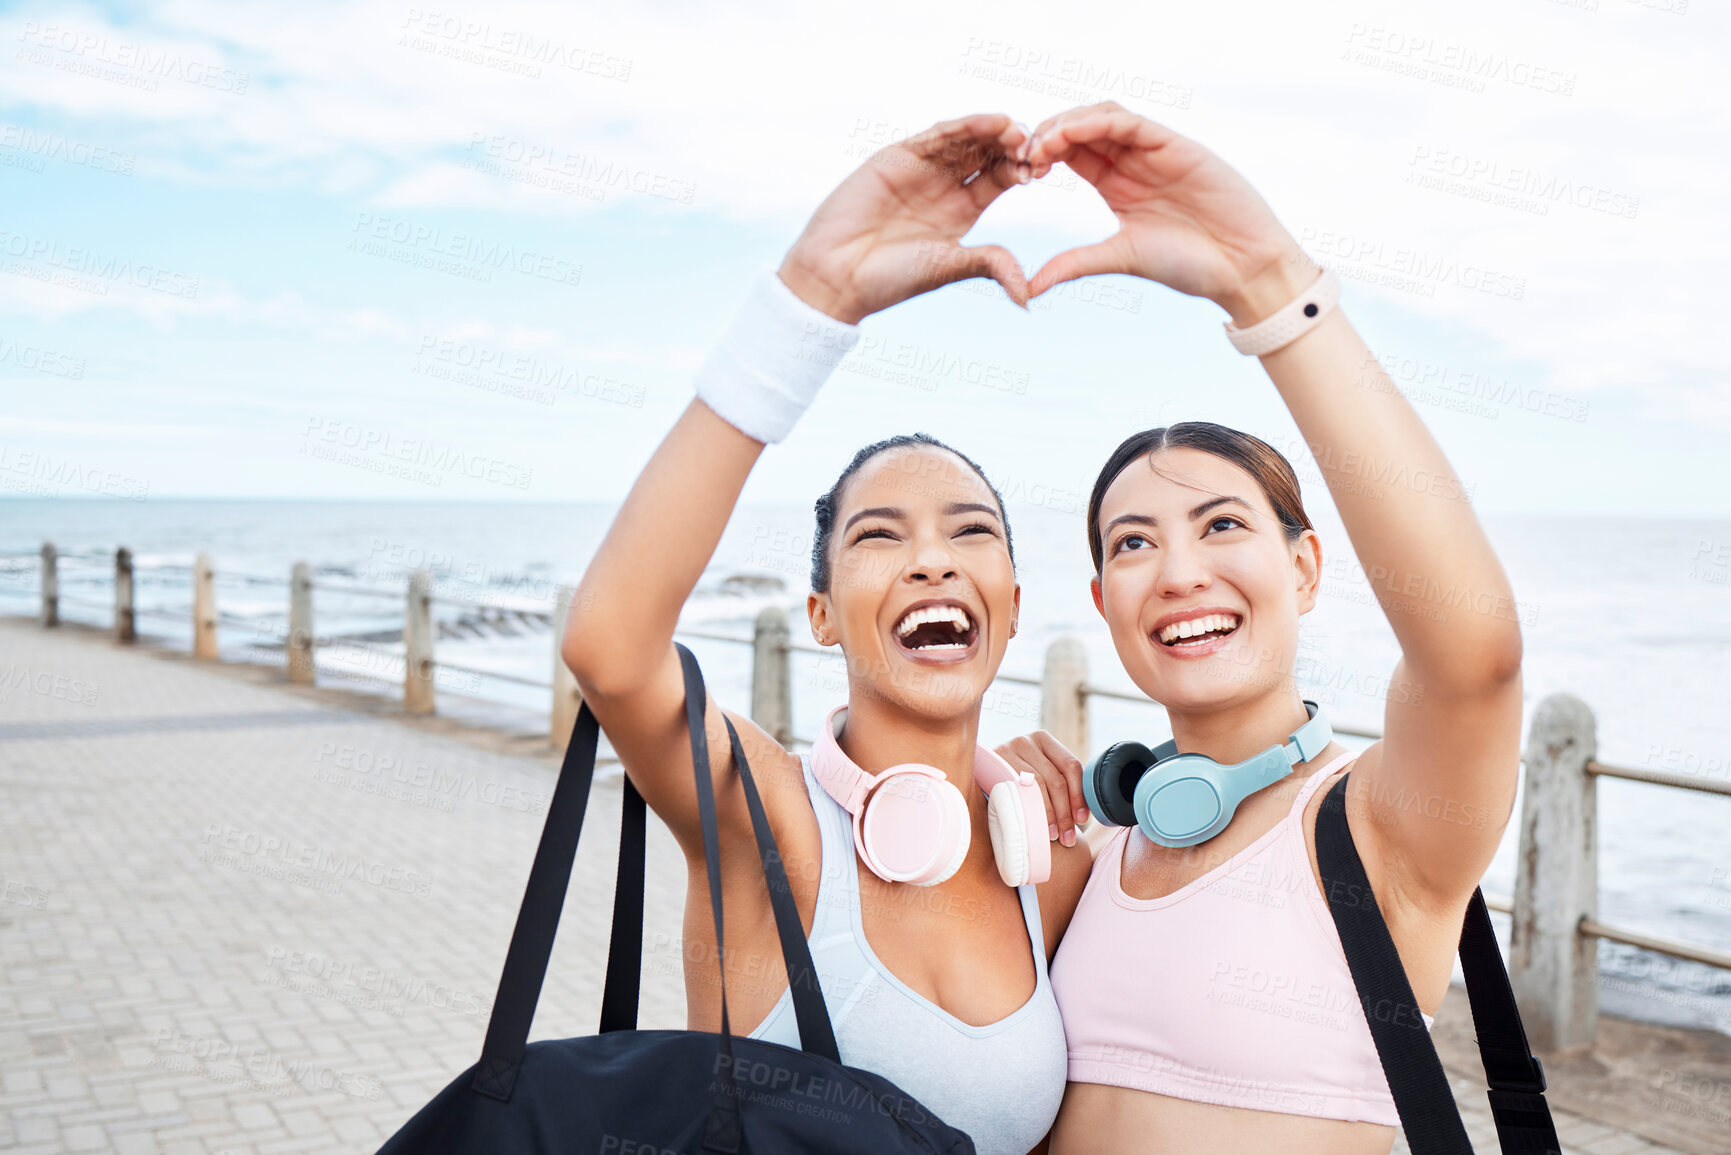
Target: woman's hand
x=1186, y=218
x=1060, y=778
x=893, y=229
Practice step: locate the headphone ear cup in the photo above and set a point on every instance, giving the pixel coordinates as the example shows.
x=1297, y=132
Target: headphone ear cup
x=958, y=807
x=1009, y=831
x=914, y=828
x=1014, y=814
x=1109, y=782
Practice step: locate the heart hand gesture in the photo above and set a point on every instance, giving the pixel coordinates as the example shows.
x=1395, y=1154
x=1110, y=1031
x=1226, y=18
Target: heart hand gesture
x=893, y=228
x=1186, y=218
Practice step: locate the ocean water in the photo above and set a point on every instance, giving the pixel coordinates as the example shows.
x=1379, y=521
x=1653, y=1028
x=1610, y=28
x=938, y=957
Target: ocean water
x=1631, y=615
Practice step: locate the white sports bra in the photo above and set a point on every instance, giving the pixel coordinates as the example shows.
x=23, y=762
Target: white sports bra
x=1001, y=1082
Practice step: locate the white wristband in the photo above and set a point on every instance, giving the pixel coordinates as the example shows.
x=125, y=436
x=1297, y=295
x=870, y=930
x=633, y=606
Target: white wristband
x=767, y=368
x=1297, y=318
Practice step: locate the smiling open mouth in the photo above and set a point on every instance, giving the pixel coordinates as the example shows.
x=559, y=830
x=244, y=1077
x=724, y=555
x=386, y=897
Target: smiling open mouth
x=1199, y=631
x=936, y=630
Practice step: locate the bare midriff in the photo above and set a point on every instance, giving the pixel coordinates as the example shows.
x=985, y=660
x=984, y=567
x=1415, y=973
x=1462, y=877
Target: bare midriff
x=1098, y=1119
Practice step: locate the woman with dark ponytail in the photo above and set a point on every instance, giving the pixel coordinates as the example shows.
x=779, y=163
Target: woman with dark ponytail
x=930, y=941
x=1207, y=1001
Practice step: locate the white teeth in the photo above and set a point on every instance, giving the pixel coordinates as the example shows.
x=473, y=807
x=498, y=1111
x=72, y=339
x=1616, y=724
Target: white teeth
x=1194, y=626
x=954, y=615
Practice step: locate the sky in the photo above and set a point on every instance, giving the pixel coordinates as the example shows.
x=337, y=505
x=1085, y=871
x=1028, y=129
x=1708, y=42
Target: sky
x=395, y=251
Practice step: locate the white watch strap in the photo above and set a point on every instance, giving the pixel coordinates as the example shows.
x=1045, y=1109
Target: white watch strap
x=769, y=365
x=1302, y=314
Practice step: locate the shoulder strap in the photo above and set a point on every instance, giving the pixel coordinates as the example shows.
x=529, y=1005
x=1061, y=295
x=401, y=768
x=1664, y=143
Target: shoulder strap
x=1517, y=1091
x=815, y=1032
x=625, y=949
x=1416, y=1080
x=538, y=917
x=625, y=941
x=550, y=876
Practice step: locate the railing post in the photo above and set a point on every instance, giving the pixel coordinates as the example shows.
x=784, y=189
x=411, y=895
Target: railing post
x=418, y=667
x=204, y=608
x=1063, y=695
x=567, y=698
x=125, y=622
x=1553, y=967
x=772, y=676
x=50, y=584
x=299, y=650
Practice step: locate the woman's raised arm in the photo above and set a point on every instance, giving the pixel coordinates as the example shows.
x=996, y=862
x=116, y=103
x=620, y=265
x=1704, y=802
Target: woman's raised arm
x=1441, y=782
x=891, y=230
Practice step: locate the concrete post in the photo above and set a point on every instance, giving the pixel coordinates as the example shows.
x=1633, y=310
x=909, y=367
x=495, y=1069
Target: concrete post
x=1553, y=967
x=567, y=698
x=772, y=676
x=204, y=608
x=125, y=619
x=1063, y=697
x=418, y=667
x=299, y=651
x=50, y=584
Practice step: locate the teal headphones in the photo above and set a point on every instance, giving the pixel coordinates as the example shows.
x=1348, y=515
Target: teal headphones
x=1182, y=799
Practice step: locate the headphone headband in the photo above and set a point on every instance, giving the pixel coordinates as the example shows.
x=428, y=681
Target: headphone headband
x=1180, y=799
x=1310, y=739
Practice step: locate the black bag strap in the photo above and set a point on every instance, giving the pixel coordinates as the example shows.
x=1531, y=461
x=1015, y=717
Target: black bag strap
x=549, y=878
x=815, y=1032
x=1516, y=1077
x=625, y=941
x=538, y=917
x=1416, y=1080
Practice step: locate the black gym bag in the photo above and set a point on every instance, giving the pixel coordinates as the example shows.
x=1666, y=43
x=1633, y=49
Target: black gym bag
x=660, y=1092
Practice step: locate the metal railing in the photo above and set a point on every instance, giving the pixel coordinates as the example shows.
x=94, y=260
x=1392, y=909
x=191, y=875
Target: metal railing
x=1554, y=909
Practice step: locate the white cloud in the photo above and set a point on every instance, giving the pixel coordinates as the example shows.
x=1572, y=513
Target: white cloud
x=752, y=114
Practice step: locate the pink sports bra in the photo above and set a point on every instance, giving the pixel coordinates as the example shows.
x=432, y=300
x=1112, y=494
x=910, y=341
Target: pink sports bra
x=1231, y=990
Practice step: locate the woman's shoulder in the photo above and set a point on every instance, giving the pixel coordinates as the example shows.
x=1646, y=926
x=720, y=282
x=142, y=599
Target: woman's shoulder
x=781, y=781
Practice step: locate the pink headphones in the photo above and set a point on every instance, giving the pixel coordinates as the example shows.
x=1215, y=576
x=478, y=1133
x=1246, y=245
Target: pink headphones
x=915, y=826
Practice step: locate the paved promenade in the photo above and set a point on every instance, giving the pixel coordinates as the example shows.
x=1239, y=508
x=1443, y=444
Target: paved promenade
x=239, y=918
